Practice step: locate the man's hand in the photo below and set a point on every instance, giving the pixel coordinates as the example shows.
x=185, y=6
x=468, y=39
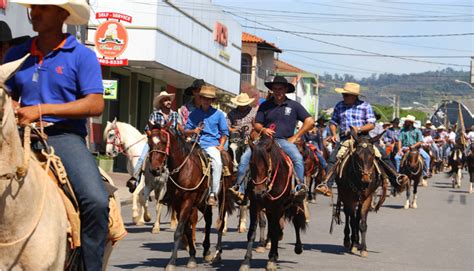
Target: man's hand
x=197, y=130
x=268, y=132
x=28, y=114
x=220, y=148
x=332, y=139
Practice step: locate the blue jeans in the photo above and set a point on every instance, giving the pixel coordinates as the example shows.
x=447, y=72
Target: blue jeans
x=138, y=167
x=423, y=154
x=90, y=192
x=243, y=167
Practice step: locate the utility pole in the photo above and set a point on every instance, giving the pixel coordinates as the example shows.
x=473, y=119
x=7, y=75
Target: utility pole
x=316, y=95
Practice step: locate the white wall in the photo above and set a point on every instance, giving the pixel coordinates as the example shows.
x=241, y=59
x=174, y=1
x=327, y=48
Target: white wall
x=16, y=17
x=178, y=40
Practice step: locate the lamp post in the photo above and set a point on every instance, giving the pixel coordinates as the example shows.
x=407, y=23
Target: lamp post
x=465, y=83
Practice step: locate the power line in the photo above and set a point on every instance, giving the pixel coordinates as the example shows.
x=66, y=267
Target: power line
x=364, y=36
x=347, y=47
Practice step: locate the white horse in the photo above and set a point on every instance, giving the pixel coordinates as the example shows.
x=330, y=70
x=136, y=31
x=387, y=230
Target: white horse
x=33, y=220
x=124, y=138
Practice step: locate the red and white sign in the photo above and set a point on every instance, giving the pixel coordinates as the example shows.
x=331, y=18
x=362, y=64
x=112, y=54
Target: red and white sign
x=111, y=38
x=220, y=34
x=3, y=4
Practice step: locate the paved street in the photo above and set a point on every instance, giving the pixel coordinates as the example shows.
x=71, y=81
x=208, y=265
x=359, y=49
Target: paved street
x=438, y=235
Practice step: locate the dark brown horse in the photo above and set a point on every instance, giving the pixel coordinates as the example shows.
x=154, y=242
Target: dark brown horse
x=456, y=162
x=314, y=172
x=188, y=188
x=356, y=187
x=412, y=166
x=270, y=188
x=470, y=167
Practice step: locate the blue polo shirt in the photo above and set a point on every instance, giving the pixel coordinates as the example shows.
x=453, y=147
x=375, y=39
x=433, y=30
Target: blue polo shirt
x=284, y=116
x=215, y=126
x=66, y=74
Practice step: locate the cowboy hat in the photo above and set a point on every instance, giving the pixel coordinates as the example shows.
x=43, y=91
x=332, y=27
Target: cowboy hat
x=396, y=120
x=79, y=10
x=280, y=80
x=197, y=84
x=428, y=122
x=6, y=35
x=349, y=88
x=242, y=100
x=208, y=92
x=441, y=127
x=410, y=118
x=161, y=96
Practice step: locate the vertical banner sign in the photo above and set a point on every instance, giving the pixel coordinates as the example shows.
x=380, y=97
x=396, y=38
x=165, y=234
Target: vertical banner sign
x=111, y=38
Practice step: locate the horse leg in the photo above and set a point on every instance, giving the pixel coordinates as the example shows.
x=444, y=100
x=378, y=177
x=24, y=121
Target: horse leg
x=355, y=220
x=192, y=248
x=174, y=220
x=184, y=215
x=274, y=230
x=364, y=211
x=415, y=191
x=159, y=193
x=146, y=196
x=459, y=177
x=245, y=266
x=298, y=223
x=224, y=230
x=306, y=210
x=347, y=227
x=136, y=207
x=243, y=219
x=206, y=244
x=407, y=202
x=262, y=224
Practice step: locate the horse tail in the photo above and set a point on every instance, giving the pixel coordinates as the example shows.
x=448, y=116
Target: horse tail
x=382, y=197
x=296, y=214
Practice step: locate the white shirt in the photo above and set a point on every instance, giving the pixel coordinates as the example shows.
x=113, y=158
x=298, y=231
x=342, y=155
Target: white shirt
x=470, y=136
x=427, y=140
x=452, y=136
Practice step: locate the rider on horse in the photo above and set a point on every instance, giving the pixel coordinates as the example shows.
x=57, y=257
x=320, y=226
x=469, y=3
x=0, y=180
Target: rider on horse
x=277, y=118
x=315, y=141
x=61, y=83
x=186, y=109
x=352, y=112
x=161, y=115
x=213, y=135
x=411, y=138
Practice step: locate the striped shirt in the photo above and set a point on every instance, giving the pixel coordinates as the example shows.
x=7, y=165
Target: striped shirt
x=357, y=115
x=157, y=117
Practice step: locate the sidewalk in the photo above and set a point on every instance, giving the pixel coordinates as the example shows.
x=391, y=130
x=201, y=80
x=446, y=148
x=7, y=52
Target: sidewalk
x=120, y=179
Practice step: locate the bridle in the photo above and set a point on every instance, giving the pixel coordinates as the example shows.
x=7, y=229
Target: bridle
x=117, y=142
x=155, y=148
x=359, y=167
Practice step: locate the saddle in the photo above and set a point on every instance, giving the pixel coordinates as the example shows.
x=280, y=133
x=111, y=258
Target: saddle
x=55, y=169
x=405, y=157
x=345, y=152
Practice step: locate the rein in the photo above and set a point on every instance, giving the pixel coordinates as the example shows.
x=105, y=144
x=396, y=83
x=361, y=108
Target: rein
x=121, y=145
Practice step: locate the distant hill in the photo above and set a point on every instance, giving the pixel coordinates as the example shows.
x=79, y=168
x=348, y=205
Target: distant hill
x=428, y=88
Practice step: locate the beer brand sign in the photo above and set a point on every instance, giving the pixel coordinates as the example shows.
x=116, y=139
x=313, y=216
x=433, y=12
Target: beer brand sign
x=111, y=38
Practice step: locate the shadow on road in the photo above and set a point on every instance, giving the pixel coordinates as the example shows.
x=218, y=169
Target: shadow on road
x=391, y=206
x=326, y=248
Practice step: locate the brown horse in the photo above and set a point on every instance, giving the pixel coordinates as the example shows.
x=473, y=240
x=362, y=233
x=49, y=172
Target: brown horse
x=456, y=162
x=188, y=188
x=412, y=166
x=314, y=172
x=356, y=186
x=270, y=189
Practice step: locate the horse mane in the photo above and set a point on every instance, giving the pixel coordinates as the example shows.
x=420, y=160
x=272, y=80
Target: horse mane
x=260, y=151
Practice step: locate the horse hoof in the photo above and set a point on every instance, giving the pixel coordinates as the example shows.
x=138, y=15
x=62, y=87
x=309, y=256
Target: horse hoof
x=268, y=246
x=347, y=244
x=147, y=218
x=354, y=249
x=136, y=220
x=364, y=253
x=173, y=227
x=242, y=229
x=155, y=230
x=414, y=206
x=208, y=257
x=170, y=267
x=260, y=249
x=313, y=201
x=271, y=266
x=139, y=223
x=298, y=249
x=406, y=206
x=191, y=264
x=244, y=267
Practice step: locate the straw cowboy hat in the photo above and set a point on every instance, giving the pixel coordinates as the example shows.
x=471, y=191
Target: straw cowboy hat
x=208, y=92
x=6, y=35
x=242, y=100
x=280, y=80
x=428, y=122
x=441, y=127
x=161, y=96
x=349, y=88
x=79, y=10
x=409, y=118
x=197, y=84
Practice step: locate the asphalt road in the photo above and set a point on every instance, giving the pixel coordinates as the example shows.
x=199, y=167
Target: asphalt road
x=439, y=235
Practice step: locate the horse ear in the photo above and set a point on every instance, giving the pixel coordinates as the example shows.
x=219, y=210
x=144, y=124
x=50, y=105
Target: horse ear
x=114, y=121
x=377, y=138
x=354, y=134
x=151, y=124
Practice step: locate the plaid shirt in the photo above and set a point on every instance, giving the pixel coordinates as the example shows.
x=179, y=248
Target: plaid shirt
x=391, y=135
x=157, y=117
x=358, y=114
x=410, y=136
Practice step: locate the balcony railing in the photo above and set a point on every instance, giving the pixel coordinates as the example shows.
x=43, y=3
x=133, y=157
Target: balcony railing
x=246, y=78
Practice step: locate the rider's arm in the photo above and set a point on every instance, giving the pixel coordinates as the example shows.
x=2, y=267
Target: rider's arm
x=366, y=128
x=308, y=124
x=89, y=106
x=262, y=130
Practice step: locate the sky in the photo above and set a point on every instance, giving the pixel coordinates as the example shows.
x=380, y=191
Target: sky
x=312, y=34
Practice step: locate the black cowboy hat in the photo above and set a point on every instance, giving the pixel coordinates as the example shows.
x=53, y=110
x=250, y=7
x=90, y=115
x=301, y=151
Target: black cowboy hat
x=198, y=83
x=280, y=80
x=397, y=120
x=6, y=35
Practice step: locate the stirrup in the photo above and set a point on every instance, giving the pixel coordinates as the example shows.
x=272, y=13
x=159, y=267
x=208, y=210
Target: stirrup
x=323, y=189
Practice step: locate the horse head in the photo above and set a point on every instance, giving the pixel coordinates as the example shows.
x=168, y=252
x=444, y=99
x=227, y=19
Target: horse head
x=159, y=140
x=262, y=164
x=237, y=142
x=114, y=143
x=364, y=156
x=413, y=159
